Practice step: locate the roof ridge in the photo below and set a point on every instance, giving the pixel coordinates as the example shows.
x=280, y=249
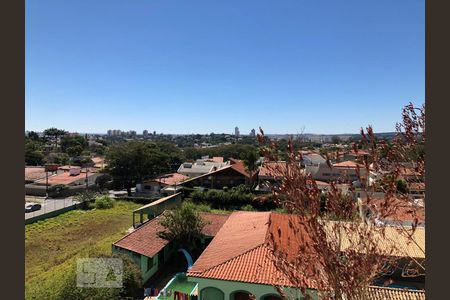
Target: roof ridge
x=230, y=259
x=395, y=289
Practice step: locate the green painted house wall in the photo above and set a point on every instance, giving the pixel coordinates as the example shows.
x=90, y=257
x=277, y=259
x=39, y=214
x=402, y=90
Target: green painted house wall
x=142, y=260
x=208, y=289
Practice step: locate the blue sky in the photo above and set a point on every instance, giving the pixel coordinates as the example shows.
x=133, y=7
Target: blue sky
x=208, y=66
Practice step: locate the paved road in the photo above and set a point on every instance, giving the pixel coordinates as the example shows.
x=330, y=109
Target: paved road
x=48, y=205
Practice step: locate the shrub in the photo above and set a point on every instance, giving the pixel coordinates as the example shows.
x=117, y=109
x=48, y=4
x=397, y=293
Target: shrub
x=85, y=198
x=104, y=202
x=247, y=207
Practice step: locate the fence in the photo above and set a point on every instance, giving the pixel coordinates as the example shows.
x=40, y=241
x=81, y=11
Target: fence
x=50, y=208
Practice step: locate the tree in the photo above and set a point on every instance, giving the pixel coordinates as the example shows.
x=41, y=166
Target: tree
x=73, y=145
x=102, y=181
x=54, y=133
x=183, y=226
x=250, y=159
x=324, y=225
x=335, y=139
x=57, y=158
x=132, y=162
x=33, y=136
x=33, y=153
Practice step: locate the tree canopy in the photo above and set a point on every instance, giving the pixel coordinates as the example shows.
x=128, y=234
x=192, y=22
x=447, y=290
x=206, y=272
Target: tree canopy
x=132, y=162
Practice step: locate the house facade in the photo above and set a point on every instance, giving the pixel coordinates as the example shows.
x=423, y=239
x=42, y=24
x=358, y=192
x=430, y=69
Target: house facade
x=150, y=252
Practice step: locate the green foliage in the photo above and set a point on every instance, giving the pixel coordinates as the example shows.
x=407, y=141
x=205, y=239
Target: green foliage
x=57, y=189
x=33, y=136
x=85, y=198
x=104, y=202
x=248, y=207
x=402, y=187
x=131, y=280
x=102, y=180
x=227, y=151
x=73, y=145
x=33, y=153
x=54, y=133
x=57, y=158
x=134, y=161
x=82, y=161
x=250, y=158
x=74, y=150
x=230, y=198
x=183, y=226
x=52, y=245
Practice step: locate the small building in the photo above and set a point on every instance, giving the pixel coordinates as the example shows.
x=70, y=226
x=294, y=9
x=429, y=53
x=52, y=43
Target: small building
x=231, y=175
x=150, y=252
x=201, y=166
x=346, y=171
x=164, y=185
x=71, y=178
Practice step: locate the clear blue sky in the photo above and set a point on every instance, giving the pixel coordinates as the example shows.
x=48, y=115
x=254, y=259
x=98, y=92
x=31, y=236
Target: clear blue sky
x=208, y=66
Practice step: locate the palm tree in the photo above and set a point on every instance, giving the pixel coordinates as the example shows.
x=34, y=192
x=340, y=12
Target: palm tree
x=250, y=159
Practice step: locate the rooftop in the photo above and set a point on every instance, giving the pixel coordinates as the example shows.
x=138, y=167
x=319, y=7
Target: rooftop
x=383, y=293
x=170, y=179
x=146, y=241
x=348, y=164
x=34, y=173
x=64, y=178
x=241, y=250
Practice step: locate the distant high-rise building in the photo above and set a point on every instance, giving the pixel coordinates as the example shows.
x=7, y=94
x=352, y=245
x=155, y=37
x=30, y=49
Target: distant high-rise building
x=236, y=132
x=132, y=133
x=145, y=132
x=110, y=132
x=253, y=133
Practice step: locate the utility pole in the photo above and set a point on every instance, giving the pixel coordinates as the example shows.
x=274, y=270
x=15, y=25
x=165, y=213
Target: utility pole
x=46, y=184
x=86, y=177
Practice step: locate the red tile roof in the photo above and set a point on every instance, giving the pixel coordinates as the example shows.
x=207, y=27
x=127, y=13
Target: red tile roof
x=171, y=179
x=239, y=166
x=416, y=186
x=401, y=210
x=64, y=178
x=273, y=169
x=241, y=250
x=348, y=164
x=145, y=239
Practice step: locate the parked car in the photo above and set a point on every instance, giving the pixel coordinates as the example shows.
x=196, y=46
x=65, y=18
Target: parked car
x=30, y=207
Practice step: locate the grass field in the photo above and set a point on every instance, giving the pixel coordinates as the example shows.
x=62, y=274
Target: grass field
x=52, y=245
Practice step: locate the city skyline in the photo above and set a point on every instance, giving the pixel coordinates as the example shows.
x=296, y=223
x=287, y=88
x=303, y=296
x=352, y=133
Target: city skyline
x=200, y=67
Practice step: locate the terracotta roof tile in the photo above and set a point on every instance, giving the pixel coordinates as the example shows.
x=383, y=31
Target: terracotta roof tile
x=145, y=240
x=348, y=164
x=382, y=293
x=64, y=178
x=273, y=169
x=241, y=250
x=171, y=179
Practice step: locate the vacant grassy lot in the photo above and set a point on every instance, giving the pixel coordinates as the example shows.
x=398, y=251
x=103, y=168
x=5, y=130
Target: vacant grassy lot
x=53, y=244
